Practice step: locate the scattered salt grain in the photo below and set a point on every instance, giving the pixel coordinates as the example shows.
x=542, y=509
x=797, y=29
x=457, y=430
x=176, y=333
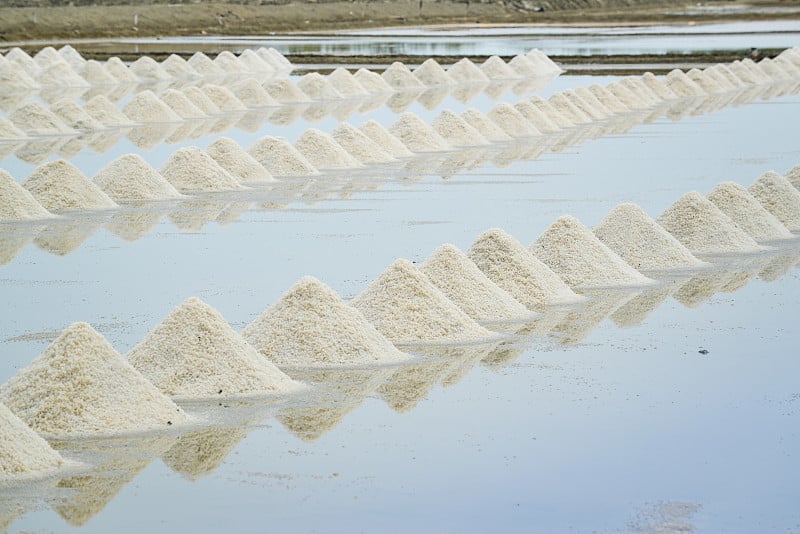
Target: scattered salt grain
x=416, y=135
x=384, y=139
x=103, y=111
x=252, y=94
x=33, y=118
x=465, y=71
x=146, y=68
x=359, y=145
x=223, y=98
x=401, y=78
x=146, y=107
x=130, y=177
x=456, y=131
x=190, y=169
x=489, y=129
x=323, y=151
x=431, y=74
x=23, y=451
x=17, y=203
x=280, y=158
x=181, y=105
x=178, y=68
x=511, y=121
x=59, y=186
x=747, y=212
x=76, y=117
x=372, y=82
x=318, y=87
x=779, y=197
x=348, y=85
x=197, y=97
x=204, y=65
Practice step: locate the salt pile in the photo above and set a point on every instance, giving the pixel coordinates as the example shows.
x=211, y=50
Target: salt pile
x=146, y=107
x=75, y=116
x=461, y=281
x=552, y=113
x=511, y=121
x=628, y=97
x=13, y=77
x=130, y=177
x=59, y=186
x=794, y=176
x=564, y=106
x=359, y=145
x=703, y=228
x=177, y=67
x=682, y=85
x=658, y=86
x=407, y=308
x=311, y=326
x=773, y=70
x=285, y=91
x=574, y=253
x=639, y=88
x=17, y=203
x=431, y=74
x=497, y=69
x=252, y=94
x=9, y=131
x=197, y=97
x=190, y=169
x=465, y=71
x=456, y=130
x=747, y=212
x=384, y=139
x=71, y=56
x=641, y=242
x=204, y=65
x=254, y=63
x=589, y=99
x=241, y=165
x=223, y=98
x=536, y=117
x=229, y=63
x=60, y=75
x=401, y=78
x=544, y=61
x=46, y=57
x=706, y=82
x=318, y=87
x=194, y=353
x=372, y=82
x=779, y=197
x=181, y=105
x=507, y=263
x=23, y=451
x=280, y=158
x=416, y=135
x=95, y=73
x=21, y=58
x=608, y=99
x=724, y=83
x=524, y=66
x=120, y=71
x=147, y=68
x=349, y=86
x=489, y=129
x=35, y=119
x=103, y=111
x=322, y=151
x=81, y=386
x=582, y=106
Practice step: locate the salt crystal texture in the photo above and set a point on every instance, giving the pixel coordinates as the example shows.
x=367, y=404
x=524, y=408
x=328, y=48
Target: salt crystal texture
x=779, y=197
x=347, y=85
x=103, y=111
x=323, y=151
x=223, y=98
x=241, y=165
x=507, y=263
x=703, y=228
x=146, y=107
x=747, y=212
x=252, y=94
x=359, y=145
x=181, y=105
x=17, y=203
x=286, y=92
x=75, y=116
x=35, y=119
x=194, y=354
x=23, y=451
x=511, y=121
x=318, y=87
x=486, y=126
x=401, y=78
x=311, y=326
x=416, y=135
x=189, y=169
x=372, y=82
x=59, y=186
x=640, y=241
x=497, y=69
x=384, y=139
x=431, y=74
x=456, y=131
x=81, y=386
x=130, y=177
x=407, y=308
x=280, y=158
x=465, y=71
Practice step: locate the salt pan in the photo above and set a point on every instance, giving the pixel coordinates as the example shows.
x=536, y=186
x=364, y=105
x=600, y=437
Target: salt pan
x=23, y=451
x=747, y=212
x=17, y=203
x=511, y=121
x=241, y=165
x=130, y=177
x=384, y=139
x=280, y=158
x=318, y=87
x=401, y=78
x=416, y=135
x=285, y=91
x=456, y=131
x=189, y=169
x=348, y=85
x=465, y=71
x=489, y=129
x=779, y=198
x=372, y=82
x=359, y=145
x=431, y=74
x=146, y=107
x=59, y=186
x=252, y=94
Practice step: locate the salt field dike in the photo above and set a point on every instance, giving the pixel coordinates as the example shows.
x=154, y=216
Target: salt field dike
x=403, y=267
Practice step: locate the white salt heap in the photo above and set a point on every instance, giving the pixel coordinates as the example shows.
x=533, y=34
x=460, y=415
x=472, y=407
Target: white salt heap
x=552, y=113
x=511, y=121
x=194, y=353
x=658, y=86
x=105, y=112
x=431, y=74
x=372, y=82
x=241, y=165
x=483, y=124
x=229, y=62
x=59, y=186
x=359, y=145
x=747, y=212
x=718, y=76
x=465, y=71
x=47, y=56
x=254, y=63
x=608, y=99
x=146, y=107
x=456, y=130
x=12, y=77
x=181, y=105
x=773, y=70
x=497, y=69
x=407, y=308
x=626, y=96
x=507, y=263
x=587, y=109
x=640, y=241
x=61, y=75
x=189, y=169
x=542, y=59
x=9, y=131
x=35, y=119
x=574, y=253
x=568, y=109
x=71, y=56
x=17, y=203
x=120, y=71
x=794, y=176
x=703, y=228
x=204, y=65
x=347, y=85
x=252, y=94
x=461, y=281
x=146, y=68
x=311, y=326
x=318, y=87
x=641, y=89
x=589, y=99
x=384, y=139
x=280, y=158
x=75, y=116
x=779, y=197
x=223, y=98
x=682, y=85
x=401, y=78
x=285, y=91
x=177, y=67
x=323, y=151
x=197, y=97
x=23, y=451
x=706, y=82
x=416, y=135
x=96, y=73
x=525, y=67
x=130, y=177
x=21, y=58
x=81, y=386
x=536, y=117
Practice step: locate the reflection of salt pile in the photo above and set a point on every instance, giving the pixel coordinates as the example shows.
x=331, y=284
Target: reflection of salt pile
x=23, y=451
x=384, y=139
x=637, y=309
x=318, y=87
x=431, y=74
x=311, y=326
x=9, y=131
x=779, y=197
x=280, y=158
x=75, y=116
x=81, y=386
x=416, y=135
x=578, y=324
x=511, y=121
x=252, y=94
x=323, y=151
x=134, y=221
x=223, y=98
x=181, y=105
x=241, y=165
x=198, y=454
x=701, y=288
x=777, y=268
x=17, y=203
x=33, y=118
x=703, y=228
x=359, y=145
x=59, y=186
x=285, y=92
x=410, y=384
x=372, y=82
x=747, y=212
x=462, y=281
x=465, y=71
x=147, y=107
x=507, y=263
x=105, y=112
x=191, y=169
x=456, y=130
x=194, y=353
x=483, y=124
x=640, y=241
x=130, y=177
x=407, y=308
x=401, y=78
x=347, y=84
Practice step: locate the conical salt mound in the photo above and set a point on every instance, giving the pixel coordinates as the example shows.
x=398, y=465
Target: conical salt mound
x=703, y=228
x=60, y=74
x=180, y=104
x=384, y=139
x=680, y=84
x=59, y=186
x=81, y=386
x=511, y=121
x=9, y=131
x=204, y=65
x=507, y=263
x=22, y=451
x=323, y=151
x=456, y=130
x=486, y=126
x=130, y=177
x=567, y=108
x=104, y=111
x=17, y=203
x=465, y=71
x=657, y=86
x=229, y=62
x=252, y=94
x=146, y=68
x=120, y=70
x=194, y=353
x=285, y=92
x=708, y=83
x=147, y=107
x=779, y=197
x=536, y=117
x=416, y=135
x=608, y=99
x=640, y=241
x=747, y=212
x=197, y=97
x=35, y=119
x=241, y=165
x=372, y=82
x=223, y=98
x=280, y=158
x=75, y=116
x=14, y=78
x=254, y=63
x=574, y=253
x=497, y=69
x=431, y=74
x=311, y=326
x=190, y=169
x=407, y=308
x=177, y=67
x=401, y=78
x=561, y=120
x=346, y=84
x=461, y=281
x=318, y=87
x=794, y=176
x=358, y=145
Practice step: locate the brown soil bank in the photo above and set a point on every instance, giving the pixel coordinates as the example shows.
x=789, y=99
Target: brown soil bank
x=24, y=20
